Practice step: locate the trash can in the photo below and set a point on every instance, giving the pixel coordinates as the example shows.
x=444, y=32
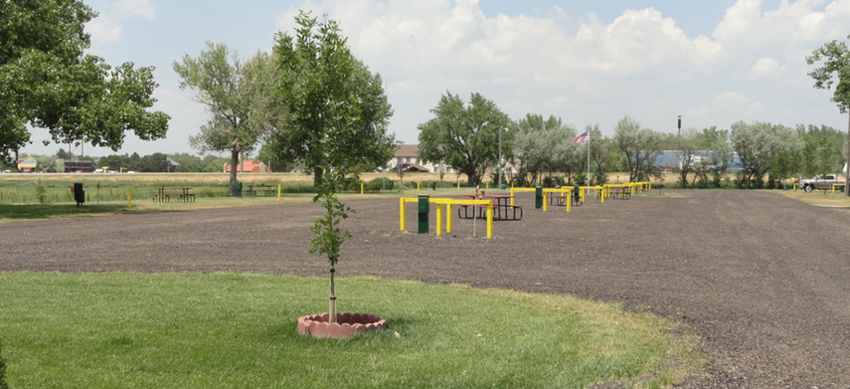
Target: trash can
x=423, y=214
x=79, y=193
x=238, y=188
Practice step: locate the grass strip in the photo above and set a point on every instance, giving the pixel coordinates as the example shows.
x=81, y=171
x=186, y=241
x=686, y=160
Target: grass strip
x=224, y=330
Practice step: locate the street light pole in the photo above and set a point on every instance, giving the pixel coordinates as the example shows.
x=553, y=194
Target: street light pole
x=499, y=170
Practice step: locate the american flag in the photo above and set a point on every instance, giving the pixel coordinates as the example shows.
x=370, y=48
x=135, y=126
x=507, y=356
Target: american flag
x=584, y=137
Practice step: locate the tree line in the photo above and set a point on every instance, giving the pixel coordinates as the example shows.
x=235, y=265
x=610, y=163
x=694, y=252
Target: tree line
x=541, y=151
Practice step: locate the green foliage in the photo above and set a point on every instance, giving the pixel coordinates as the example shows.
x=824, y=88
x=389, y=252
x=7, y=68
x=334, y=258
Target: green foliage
x=836, y=64
x=40, y=192
x=544, y=146
x=640, y=147
x=823, y=150
x=464, y=137
x=339, y=112
x=757, y=144
x=241, y=98
x=47, y=81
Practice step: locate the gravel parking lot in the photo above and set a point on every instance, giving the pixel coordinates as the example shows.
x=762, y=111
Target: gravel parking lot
x=763, y=279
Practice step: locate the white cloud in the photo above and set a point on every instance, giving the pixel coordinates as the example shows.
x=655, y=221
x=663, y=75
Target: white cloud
x=135, y=8
x=764, y=67
x=107, y=27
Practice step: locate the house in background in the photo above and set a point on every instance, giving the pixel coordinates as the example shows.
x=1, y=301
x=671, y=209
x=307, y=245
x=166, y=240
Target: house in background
x=408, y=157
x=249, y=167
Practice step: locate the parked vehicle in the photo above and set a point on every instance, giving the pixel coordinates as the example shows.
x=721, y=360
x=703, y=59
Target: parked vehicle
x=821, y=182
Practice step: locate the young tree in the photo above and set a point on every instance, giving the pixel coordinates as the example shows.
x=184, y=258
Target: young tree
x=322, y=82
x=719, y=155
x=464, y=137
x=836, y=59
x=822, y=150
x=240, y=98
x=47, y=81
x=688, y=145
x=542, y=145
x=641, y=147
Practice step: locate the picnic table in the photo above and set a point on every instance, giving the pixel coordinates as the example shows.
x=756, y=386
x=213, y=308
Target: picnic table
x=266, y=190
x=502, y=201
x=164, y=193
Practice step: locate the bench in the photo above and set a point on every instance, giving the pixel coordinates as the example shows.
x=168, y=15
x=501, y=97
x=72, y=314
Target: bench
x=266, y=190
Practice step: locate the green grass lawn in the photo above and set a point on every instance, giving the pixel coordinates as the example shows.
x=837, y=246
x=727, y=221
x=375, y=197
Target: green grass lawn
x=223, y=330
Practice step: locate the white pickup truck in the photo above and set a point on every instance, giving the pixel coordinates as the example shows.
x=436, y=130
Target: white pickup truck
x=821, y=182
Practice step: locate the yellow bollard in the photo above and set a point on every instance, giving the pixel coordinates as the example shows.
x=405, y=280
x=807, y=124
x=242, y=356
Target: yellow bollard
x=448, y=217
x=487, y=185
x=490, y=220
x=458, y=186
x=129, y=197
x=278, y=190
x=569, y=200
x=512, y=195
x=417, y=187
x=361, y=188
x=401, y=202
x=439, y=220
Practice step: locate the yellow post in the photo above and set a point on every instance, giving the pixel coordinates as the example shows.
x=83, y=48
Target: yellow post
x=545, y=201
x=448, y=218
x=417, y=186
x=487, y=185
x=569, y=200
x=361, y=188
x=401, y=202
x=278, y=190
x=439, y=220
x=129, y=197
x=490, y=219
x=602, y=195
x=458, y=186
x=512, y=195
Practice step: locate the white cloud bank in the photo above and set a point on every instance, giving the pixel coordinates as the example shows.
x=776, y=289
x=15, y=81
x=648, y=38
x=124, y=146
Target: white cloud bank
x=106, y=28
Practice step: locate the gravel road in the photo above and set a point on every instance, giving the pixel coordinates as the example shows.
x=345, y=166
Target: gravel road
x=763, y=279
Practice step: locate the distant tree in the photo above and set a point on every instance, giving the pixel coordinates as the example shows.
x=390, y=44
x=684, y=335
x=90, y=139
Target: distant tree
x=339, y=111
x=47, y=81
x=836, y=59
x=542, y=145
x=604, y=156
x=187, y=162
x=275, y=162
x=756, y=145
x=135, y=162
x=464, y=137
x=61, y=153
x=823, y=150
x=115, y=162
x=214, y=164
x=714, y=164
x=240, y=98
x=689, y=146
x=156, y=162
x=640, y=147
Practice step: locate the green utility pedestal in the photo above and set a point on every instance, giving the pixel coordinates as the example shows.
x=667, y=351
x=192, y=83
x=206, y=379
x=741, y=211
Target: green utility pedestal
x=538, y=198
x=423, y=214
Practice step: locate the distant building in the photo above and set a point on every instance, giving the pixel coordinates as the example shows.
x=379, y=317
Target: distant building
x=408, y=157
x=78, y=166
x=249, y=167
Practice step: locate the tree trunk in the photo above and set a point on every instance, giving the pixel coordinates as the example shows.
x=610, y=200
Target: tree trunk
x=234, y=162
x=332, y=305
x=317, y=175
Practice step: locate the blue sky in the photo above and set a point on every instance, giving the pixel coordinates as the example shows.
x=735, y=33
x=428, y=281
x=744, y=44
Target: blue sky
x=587, y=62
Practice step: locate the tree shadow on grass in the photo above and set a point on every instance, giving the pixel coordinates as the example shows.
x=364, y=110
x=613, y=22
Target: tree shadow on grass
x=47, y=211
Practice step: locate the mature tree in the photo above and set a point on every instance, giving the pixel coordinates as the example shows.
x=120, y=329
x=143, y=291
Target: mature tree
x=603, y=156
x=464, y=137
x=156, y=162
x=47, y=81
x=756, y=145
x=689, y=147
x=339, y=111
x=187, y=162
x=240, y=98
x=711, y=169
x=823, y=150
x=836, y=59
x=640, y=147
x=542, y=145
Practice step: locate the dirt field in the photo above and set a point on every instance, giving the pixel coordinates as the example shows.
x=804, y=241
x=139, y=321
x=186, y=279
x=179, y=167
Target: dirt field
x=763, y=279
